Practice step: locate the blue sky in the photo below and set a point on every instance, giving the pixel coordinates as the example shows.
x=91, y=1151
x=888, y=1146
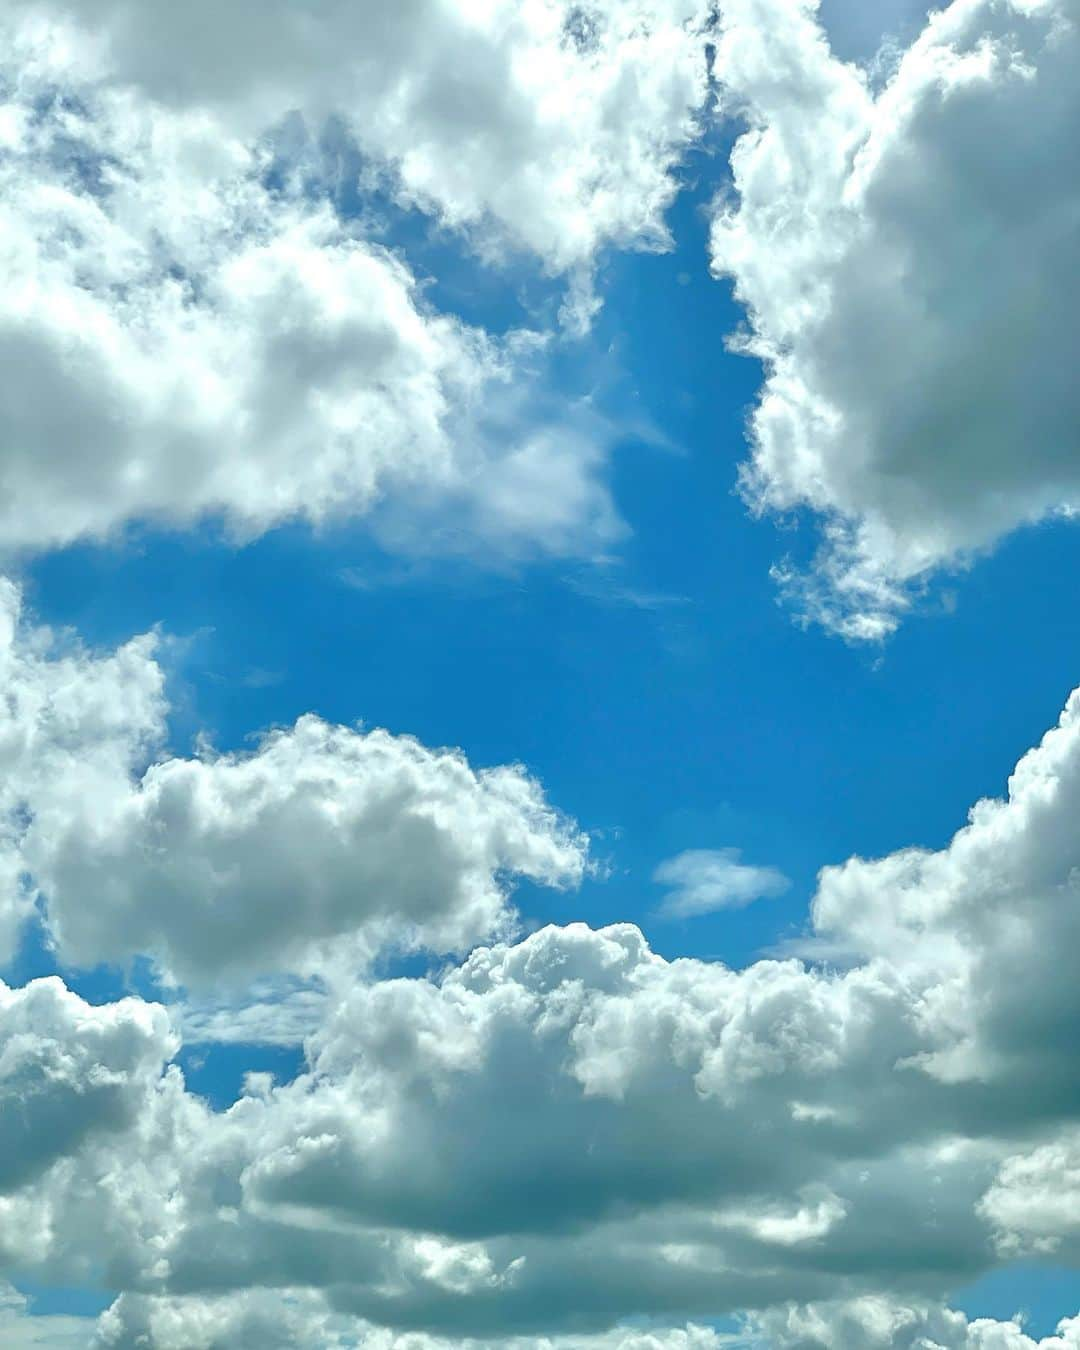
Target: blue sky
x=664, y=690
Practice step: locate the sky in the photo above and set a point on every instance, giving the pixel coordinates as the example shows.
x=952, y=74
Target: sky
x=538, y=632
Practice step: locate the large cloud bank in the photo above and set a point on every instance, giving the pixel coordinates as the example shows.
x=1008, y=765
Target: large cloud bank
x=556, y=1134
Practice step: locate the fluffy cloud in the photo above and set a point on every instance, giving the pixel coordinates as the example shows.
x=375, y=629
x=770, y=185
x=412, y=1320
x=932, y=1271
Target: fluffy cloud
x=69, y=1072
x=1034, y=1203
x=977, y=920
x=183, y=340
x=908, y=260
x=569, y=1131
x=556, y=123
x=70, y=723
x=704, y=880
x=885, y=1324
x=249, y=862
x=558, y=1134
x=193, y=330
x=302, y=1320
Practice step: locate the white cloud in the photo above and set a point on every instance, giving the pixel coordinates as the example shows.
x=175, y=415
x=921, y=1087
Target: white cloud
x=1034, y=1203
x=558, y=1134
x=552, y=125
x=908, y=261
x=191, y=331
x=70, y=1073
x=323, y=840
x=705, y=880
x=262, y=1320
x=70, y=722
x=876, y=1323
x=587, y=1132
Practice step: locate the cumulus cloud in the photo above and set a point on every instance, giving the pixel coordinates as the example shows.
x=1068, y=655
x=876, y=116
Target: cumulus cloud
x=71, y=722
x=249, y=862
x=907, y=257
x=193, y=330
x=183, y=340
x=69, y=1071
x=557, y=1134
x=705, y=880
x=558, y=124
x=877, y=1323
x=1034, y=1203
x=301, y=1319
x=568, y=1131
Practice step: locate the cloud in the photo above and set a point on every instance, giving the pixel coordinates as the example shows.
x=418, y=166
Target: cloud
x=69, y=1071
x=193, y=331
x=552, y=127
x=21, y=1331
x=907, y=258
x=322, y=839
x=886, y=1324
x=569, y=1131
x=262, y=1320
x=1034, y=1203
x=554, y=1135
x=71, y=722
x=706, y=880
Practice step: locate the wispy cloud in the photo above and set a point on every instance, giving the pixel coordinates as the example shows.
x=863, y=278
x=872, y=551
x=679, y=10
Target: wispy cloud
x=704, y=880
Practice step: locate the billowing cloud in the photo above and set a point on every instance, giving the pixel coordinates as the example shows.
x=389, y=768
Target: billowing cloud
x=192, y=329
x=556, y=124
x=704, y=880
x=249, y=862
x=908, y=259
x=183, y=340
x=69, y=1072
x=570, y=1131
x=1034, y=1203
x=876, y=1323
x=301, y=1320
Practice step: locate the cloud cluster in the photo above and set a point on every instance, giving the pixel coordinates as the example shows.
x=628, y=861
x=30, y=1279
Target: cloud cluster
x=885, y=1324
x=562, y=1140
x=182, y=340
x=907, y=256
x=199, y=326
x=566, y=1132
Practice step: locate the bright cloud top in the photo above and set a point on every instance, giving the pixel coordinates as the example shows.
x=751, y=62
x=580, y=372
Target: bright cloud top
x=908, y=259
